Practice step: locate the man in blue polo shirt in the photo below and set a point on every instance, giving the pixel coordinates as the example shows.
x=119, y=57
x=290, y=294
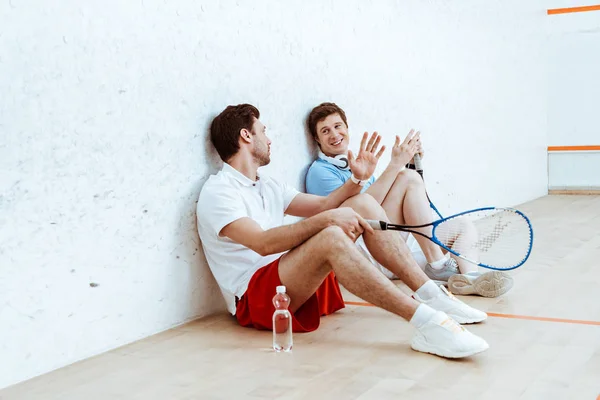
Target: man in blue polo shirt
x=401, y=193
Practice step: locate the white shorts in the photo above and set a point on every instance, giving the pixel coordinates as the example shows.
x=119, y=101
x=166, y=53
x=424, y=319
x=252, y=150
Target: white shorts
x=412, y=244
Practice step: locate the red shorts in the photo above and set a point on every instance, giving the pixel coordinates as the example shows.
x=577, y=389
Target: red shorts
x=255, y=309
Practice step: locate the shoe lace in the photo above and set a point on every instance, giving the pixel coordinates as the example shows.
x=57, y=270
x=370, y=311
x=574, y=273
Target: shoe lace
x=452, y=264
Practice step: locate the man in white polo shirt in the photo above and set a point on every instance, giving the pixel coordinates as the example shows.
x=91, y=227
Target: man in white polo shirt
x=250, y=252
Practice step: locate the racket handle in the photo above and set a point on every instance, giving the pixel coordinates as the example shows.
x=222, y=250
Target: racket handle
x=377, y=225
x=418, y=163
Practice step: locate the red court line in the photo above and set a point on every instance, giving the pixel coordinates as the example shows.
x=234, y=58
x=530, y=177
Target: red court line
x=574, y=148
x=568, y=10
x=530, y=318
x=511, y=316
x=358, y=303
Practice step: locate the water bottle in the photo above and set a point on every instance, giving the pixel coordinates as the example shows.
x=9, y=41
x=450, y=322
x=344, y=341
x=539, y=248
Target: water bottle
x=282, y=321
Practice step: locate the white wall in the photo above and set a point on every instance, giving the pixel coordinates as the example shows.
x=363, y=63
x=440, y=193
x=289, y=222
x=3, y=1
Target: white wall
x=574, y=170
x=574, y=97
x=103, y=146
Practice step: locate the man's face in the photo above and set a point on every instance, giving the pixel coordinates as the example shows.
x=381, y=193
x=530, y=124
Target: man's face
x=261, y=150
x=332, y=135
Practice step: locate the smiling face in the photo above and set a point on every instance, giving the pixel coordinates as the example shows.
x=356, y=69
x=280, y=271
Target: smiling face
x=332, y=135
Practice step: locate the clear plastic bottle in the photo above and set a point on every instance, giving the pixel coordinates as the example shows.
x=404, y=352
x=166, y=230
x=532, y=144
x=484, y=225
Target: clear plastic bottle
x=282, y=321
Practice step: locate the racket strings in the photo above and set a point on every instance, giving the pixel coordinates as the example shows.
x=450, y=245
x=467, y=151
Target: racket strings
x=486, y=242
x=499, y=238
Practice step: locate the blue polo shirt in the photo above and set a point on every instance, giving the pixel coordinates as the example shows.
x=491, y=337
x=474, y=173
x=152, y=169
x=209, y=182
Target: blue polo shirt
x=323, y=178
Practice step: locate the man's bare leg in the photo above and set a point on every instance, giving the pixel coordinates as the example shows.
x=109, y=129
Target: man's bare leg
x=388, y=248
x=303, y=269
x=406, y=203
x=391, y=251
x=467, y=235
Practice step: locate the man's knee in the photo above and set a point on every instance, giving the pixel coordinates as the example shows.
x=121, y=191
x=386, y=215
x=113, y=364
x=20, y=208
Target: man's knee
x=333, y=237
x=365, y=205
x=332, y=240
x=409, y=177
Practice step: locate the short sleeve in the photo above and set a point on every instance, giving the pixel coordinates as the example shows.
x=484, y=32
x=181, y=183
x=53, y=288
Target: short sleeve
x=321, y=180
x=288, y=192
x=218, y=207
x=288, y=195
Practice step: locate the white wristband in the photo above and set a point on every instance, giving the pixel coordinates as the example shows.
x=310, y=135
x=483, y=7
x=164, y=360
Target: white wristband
x=358, y=181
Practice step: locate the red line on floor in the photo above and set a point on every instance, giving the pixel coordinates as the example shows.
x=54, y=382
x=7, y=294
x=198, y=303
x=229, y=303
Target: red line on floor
x=358, y=303
x=511, y=316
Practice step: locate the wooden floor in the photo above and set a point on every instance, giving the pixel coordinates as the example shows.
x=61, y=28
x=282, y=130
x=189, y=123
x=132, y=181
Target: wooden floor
x=363, y=352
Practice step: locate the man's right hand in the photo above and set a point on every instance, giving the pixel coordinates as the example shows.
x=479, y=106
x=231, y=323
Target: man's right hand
x=403, y=152
x=363, y=166
x=350, y=221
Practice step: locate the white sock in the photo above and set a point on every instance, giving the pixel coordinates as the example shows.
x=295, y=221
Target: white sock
x=439, y=264
x=423, y=314
x=428, y=291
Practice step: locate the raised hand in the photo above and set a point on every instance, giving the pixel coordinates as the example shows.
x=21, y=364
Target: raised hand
x=403, y=152
x=363, y=166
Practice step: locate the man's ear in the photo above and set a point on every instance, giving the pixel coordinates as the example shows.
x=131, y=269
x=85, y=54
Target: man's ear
x=245, y=135
x=317, y=140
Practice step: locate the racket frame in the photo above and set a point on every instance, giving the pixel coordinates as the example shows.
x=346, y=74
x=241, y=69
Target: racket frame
x=409, y=228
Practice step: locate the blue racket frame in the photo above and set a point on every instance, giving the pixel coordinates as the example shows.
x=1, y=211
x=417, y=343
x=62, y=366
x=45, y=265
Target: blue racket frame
x=408, y=228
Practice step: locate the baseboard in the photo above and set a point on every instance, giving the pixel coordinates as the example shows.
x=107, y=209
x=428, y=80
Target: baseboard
x=590, y=190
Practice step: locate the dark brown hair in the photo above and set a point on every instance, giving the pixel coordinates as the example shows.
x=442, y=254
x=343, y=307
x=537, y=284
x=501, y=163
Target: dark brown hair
x=322, y=111
x=225, y=128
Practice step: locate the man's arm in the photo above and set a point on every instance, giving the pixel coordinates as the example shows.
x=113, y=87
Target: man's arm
x=401, y=154
x=247, y=232
x=324, y=181
x=307, y=205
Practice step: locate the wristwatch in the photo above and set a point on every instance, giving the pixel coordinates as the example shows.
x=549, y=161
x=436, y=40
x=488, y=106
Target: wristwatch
x=358, y=181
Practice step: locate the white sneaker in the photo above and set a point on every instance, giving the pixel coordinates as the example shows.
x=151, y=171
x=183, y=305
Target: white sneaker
x=456, y=309
x=442, y=336
x=487, y=284
x=449, y=269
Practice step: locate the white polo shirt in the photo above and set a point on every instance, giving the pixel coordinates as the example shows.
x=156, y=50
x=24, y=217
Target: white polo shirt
x=226, y=197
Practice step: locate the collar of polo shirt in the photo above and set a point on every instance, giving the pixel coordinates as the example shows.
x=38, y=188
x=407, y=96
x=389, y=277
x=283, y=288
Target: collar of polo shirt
x=241, y=178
